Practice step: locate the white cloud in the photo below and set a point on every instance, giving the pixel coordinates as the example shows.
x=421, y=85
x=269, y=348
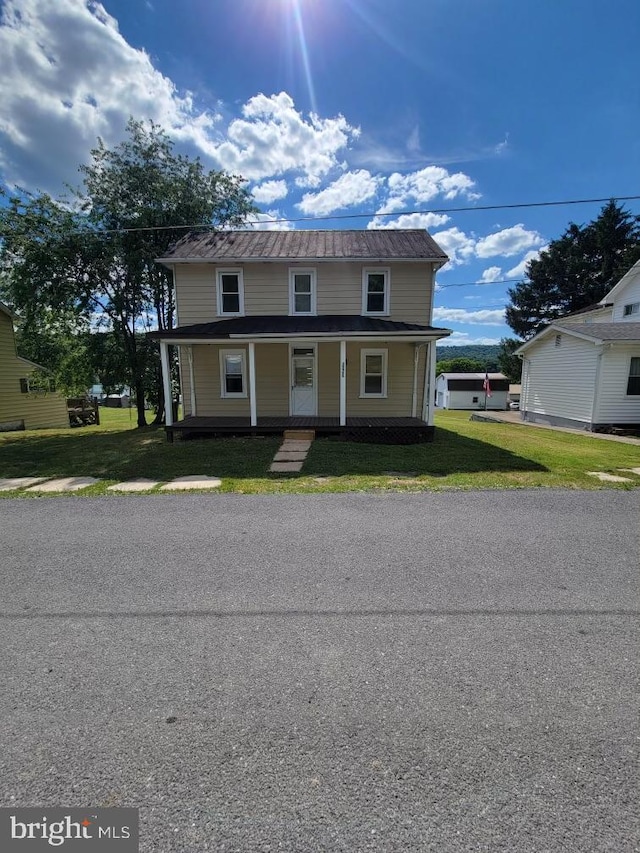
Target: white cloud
x=348, y=190
x=459, y=339
x=489, y=275
x=508, y=242
x=460, y=315
x=269, y=191
x=520, y=269
x=410, y=220
x=273, y=138
x=459, y=246
x=68, y=76
x=272, y=220
x=425, y=184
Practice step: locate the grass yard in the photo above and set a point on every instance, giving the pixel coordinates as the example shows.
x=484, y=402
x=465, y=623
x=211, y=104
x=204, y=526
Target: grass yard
x=465, y=455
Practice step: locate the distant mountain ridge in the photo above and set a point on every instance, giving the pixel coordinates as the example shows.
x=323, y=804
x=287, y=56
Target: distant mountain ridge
x=486, y=353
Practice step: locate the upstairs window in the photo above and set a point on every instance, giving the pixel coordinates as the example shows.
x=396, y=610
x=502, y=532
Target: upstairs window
x=375, y=291
x=373, y=373
x=230, y=288
x=632, y=308
x=633, y=385
x=233, y=374
x=302, y=291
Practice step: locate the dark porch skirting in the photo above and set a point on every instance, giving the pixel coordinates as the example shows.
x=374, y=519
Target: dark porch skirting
x=371, y=430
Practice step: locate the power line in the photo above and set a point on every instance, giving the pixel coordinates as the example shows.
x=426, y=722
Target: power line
x=370, y=214
x=478, y=283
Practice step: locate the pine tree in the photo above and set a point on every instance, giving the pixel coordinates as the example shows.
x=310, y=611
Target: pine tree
x=575, y=271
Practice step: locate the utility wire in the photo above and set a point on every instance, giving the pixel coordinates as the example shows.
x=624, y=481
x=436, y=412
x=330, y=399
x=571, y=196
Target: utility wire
x=369, y=215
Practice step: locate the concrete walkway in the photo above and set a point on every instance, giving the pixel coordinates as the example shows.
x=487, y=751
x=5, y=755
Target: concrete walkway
x=515, y=418
x=292, y=452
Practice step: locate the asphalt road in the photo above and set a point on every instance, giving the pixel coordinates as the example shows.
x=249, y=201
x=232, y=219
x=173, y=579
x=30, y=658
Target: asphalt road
x=446, y=672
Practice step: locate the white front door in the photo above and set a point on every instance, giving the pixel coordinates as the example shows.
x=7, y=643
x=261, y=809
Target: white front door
x=303, y=381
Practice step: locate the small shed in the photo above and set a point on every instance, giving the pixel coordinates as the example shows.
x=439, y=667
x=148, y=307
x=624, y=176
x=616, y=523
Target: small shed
x=467, y=391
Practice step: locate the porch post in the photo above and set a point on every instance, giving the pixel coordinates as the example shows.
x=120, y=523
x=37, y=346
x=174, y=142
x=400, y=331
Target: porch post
x=432, y=382
x=192, y=382
x=343, y=383
x=166, y=383
x=252, y=384
x=414, y=394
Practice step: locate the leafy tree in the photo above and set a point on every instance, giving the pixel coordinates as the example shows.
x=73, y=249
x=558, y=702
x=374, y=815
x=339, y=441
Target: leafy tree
x=510, y=364
x=575, y=271
x=460, y=365
x=96, y=256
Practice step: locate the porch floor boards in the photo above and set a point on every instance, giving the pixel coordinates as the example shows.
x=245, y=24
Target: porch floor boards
x=374, y=429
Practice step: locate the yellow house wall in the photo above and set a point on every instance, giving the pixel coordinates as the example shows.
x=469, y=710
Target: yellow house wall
x=339, y=290
x=273, y=379
x=37, y=410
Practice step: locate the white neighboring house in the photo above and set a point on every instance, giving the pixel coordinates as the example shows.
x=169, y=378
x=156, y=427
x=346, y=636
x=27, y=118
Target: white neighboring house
x=466, y=391
x=583, y=370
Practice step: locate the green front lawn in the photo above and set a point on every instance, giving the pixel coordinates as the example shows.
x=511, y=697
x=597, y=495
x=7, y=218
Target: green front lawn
x=465, y=454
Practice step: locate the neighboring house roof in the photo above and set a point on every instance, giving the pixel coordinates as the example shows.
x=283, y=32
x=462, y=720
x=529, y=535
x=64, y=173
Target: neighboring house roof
x=373, y=245
x=626, y=279
x=472, y=375
x=6, y=310
x=277, y=325
x=596, y=332
x=603, y=331
x=599, y=306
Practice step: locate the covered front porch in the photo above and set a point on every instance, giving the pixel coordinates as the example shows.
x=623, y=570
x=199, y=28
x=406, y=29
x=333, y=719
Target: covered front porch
x=347, y=376
x=376, y=430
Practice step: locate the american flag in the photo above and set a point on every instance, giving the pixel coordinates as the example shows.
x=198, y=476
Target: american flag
x=487, y=385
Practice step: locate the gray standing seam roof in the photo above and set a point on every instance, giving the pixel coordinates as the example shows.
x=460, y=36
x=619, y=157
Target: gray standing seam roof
x=603, y=331
x=382, y=244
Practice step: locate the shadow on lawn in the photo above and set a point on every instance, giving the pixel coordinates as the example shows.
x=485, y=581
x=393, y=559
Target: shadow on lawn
x=449, y=453
x=132, y=453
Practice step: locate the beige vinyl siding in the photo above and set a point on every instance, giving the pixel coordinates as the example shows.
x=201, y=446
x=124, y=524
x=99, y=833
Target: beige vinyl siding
x=560, y=381
x=38, y=410
x=273, y=381
x=339, y=289
x=614, y=406
x=398, y=401
x=629, y=295
x=206, y=370
x=329, y=380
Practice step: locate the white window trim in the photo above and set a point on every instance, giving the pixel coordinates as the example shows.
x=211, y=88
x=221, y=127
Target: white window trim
x=223, y=385
x=387, y=290
x=310, y=271
x=230, y=271
x=363, y=363
x=634, y=308
x=629, y=377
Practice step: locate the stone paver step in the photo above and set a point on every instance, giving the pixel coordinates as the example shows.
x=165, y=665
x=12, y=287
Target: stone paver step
x=193, y=482
x=9, y=483
x=139, y=485
x=299, y=434
x=609, y=478
x=64, y=484
x=286, y=467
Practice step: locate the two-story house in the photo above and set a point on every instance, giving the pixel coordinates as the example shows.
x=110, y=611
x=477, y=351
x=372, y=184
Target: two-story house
x=327, y=330
x=583, y=370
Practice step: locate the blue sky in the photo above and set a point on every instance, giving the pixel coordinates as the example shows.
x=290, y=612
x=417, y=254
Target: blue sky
x=372, y=109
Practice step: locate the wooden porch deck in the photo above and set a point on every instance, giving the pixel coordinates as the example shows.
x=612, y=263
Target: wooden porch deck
x=373, y=430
